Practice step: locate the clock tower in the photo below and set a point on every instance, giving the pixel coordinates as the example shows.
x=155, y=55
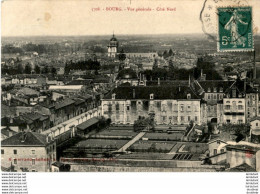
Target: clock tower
x=112, y=47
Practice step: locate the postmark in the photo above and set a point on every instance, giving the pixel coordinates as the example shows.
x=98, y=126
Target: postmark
x=235, y=29
x=209, y=19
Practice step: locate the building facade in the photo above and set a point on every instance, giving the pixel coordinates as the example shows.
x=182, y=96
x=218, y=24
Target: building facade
x=126, y=104
x=28, y=152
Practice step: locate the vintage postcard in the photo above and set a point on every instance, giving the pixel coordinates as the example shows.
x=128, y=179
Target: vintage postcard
x=130, y=86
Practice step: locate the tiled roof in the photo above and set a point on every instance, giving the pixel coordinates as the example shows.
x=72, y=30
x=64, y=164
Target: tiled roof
x=160, y=92
x=28, y=91
x=242, y=168
x=79, y=82
x=215, y=84
x=6, y=131
x=63, y=103
x=30, y=139
x=168, y=82
x=87, y=123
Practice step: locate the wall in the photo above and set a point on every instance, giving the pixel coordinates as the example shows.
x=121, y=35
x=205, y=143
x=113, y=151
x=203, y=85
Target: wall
x=24, y=153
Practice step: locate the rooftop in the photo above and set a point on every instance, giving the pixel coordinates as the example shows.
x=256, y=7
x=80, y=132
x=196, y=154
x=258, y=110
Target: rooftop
x=139, y=92
x=28, y=139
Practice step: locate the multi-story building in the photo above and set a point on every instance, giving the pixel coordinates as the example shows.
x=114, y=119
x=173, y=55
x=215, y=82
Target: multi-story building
x=168, y=104
x=251, y=100
x=234, y=106
x=212, y=94
x=28, y=152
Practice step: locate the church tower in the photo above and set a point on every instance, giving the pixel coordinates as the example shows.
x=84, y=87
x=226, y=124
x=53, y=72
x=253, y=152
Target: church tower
x=112, y=47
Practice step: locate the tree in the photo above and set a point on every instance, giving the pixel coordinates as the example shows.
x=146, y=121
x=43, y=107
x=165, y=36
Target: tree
x=45, y=70
x=53, y=70
x=28, y=68
x=170, y=52
x=170, y=65
x=20, y=69
x=37, y=69
x=122, y=55
x=155, y=63
x=165, y=54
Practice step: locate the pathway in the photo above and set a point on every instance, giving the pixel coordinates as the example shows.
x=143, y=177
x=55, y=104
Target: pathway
x=131, y=142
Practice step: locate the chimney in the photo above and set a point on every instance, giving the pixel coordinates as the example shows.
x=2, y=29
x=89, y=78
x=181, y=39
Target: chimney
x=133, y=93
x=158, y=81
x=23, y=136
x=244, y=85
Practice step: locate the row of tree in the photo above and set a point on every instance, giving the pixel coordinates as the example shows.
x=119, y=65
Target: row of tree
x=82, y=65
x=175, y=73
x=27, y=69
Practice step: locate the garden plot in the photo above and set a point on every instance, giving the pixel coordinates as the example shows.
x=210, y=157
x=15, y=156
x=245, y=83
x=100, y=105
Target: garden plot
x=164, y=136
x=101, y=144
x=117, y=134
x=152, y=146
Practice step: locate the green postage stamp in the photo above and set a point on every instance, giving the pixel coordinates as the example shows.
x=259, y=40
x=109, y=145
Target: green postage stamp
x=235, y=29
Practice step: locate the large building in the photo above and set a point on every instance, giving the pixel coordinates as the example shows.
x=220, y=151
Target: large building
x=112, y=47
x=169, y=104
x=28, y=152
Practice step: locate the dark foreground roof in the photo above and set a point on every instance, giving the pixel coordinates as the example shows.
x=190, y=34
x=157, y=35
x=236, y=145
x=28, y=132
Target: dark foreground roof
x=30, y=139
x=87, y=123
x=242, y=168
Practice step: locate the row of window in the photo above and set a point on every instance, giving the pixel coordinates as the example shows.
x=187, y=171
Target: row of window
x=16, y=161
x=239, y=121
x=15, y=151
x=214, y=96
x=164, y=107
x=239, y=107
x=234, y=102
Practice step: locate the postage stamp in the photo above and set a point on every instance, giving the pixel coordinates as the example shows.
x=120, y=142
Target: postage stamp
x=235, y=29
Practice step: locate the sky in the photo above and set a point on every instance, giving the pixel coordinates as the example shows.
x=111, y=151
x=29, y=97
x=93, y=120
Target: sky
x=76, y=17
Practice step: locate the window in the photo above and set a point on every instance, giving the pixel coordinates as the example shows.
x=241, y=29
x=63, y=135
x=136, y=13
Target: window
x=188, y=96
x=33, y=151
x=113, y=96
x=127, y=107
x=240, y=107
x=196, y=118
x=227, y=107
x=240, y=121
x=228, y=120
x=182, y=108
x=256, y=124
x=33, y=161
x=182, y=118
x=208, y=97
x=151, y=96
x=15, y=151
x=188, y=118
x=189, y=108
x=15, y=161
x=215, y=151
x=117, y=106
x=222, y=150
x=2, y=151
x=33, y=171
x=218, y=141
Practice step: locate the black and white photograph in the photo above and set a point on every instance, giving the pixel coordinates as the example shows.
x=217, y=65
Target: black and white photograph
x=130, y=86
